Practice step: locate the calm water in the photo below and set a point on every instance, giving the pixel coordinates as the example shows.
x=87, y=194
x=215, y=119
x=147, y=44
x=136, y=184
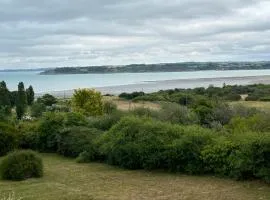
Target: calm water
x=47, y=83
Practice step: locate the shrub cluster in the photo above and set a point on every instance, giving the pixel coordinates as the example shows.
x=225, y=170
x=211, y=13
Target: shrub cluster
x=21, y=165
x=8, y=139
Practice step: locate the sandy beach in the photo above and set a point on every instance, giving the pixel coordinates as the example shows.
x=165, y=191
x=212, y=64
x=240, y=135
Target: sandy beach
x=153, y=86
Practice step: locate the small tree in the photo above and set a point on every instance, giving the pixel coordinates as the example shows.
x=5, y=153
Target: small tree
x=30, y=95
x=4, y=98
x=21, y=102
x=47, y=100
x=88, y=102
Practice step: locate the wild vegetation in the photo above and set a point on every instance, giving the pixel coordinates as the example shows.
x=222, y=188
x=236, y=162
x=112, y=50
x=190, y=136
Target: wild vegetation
x=195, y=131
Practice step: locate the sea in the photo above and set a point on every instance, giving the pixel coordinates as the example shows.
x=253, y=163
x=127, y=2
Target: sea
x=50, y=83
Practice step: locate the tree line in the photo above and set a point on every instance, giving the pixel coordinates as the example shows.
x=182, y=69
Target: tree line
x=18, y=99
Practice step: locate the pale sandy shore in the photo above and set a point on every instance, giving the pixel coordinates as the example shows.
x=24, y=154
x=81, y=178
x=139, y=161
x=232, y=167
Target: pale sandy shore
x=171, y=84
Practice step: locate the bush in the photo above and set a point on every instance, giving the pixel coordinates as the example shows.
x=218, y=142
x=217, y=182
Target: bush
x=21, y=165
x=241, y=157
x=252, y=98
x=75, y=119
x=233, y=97
x=177, y=114
x=184, y=154
x=136, y=143
x=49, y=128
x=28, y=135
x=8, y=139
x=37, y=109
x=105, y=122
x=75, y=140
x=47, y=100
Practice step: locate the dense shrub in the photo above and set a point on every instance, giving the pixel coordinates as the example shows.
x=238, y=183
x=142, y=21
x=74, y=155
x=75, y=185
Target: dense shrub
x=241, y=157
x=47, y=100
x=252, y=98
x=28, y=135
x=21, y=165
x=177, y=114
x=233, y=97
x=37, y=109
x=136, y=143
x=131, y=95
x=75, y=119
x=265, y=98
x=8, y=139
x=105, y=122
x=184, y=154
x=255, y=123
x=49, y=128
x=75, y=140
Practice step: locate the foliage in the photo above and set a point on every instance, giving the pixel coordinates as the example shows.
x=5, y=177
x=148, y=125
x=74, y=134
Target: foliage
x=5, y=104
x=30, y=94
x=75, y=119
x=37, y=109
x=50, y=126
x=8, y=140
x=47, y=100
x=75, y=140
x=21, y=102
x=21, y=165
x=88, y=102
x=105, y=122
x=177, y=114
x=109, y=107
x=136, y=143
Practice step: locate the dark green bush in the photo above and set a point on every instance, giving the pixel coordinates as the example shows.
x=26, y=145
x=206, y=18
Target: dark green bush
x=265, y=98
x=28, y=135
x=50, y=126
x=105, y=122
x=8, y=139
x=233, y=97
x=75, y=140
x=144, y=143
x=21, y=165
x=37, y=109
x=244, y=156
x=252, y=98
x=75, y=119
x=133, y=141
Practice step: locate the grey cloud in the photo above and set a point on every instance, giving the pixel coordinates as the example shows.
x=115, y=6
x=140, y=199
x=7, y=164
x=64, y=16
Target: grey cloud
x=83, y=32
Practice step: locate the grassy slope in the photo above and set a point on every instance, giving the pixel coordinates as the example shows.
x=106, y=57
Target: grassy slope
x=65, y=179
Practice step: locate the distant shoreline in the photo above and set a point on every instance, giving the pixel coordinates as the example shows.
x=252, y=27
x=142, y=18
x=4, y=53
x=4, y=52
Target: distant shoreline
x=153, y=86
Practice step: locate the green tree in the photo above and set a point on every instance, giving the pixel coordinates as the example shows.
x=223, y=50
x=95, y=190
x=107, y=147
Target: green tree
x=13, y=98
x=30, y=95
x=21, y=102
x=4, y=98
x=88, y=102
x=47, y=100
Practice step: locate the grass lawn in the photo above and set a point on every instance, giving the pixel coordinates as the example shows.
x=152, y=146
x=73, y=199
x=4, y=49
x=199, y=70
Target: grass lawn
x=65, y=179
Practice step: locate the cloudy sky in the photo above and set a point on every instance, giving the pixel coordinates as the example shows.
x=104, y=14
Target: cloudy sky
x=54, y=33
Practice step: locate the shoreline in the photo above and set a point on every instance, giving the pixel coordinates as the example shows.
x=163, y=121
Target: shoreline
x=154, y=86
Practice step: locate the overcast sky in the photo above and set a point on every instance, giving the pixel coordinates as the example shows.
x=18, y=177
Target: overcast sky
x=54, y=33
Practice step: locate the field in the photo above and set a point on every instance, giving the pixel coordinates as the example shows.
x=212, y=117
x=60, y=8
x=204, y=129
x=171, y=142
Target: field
x=253, y=104
x=65, y=179
x=129, y=105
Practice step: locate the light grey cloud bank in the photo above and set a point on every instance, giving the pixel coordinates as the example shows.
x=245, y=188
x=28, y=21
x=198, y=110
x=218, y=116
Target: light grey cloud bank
x=56, y=33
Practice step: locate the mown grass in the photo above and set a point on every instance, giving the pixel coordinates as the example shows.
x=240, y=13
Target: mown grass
x=64, y=179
